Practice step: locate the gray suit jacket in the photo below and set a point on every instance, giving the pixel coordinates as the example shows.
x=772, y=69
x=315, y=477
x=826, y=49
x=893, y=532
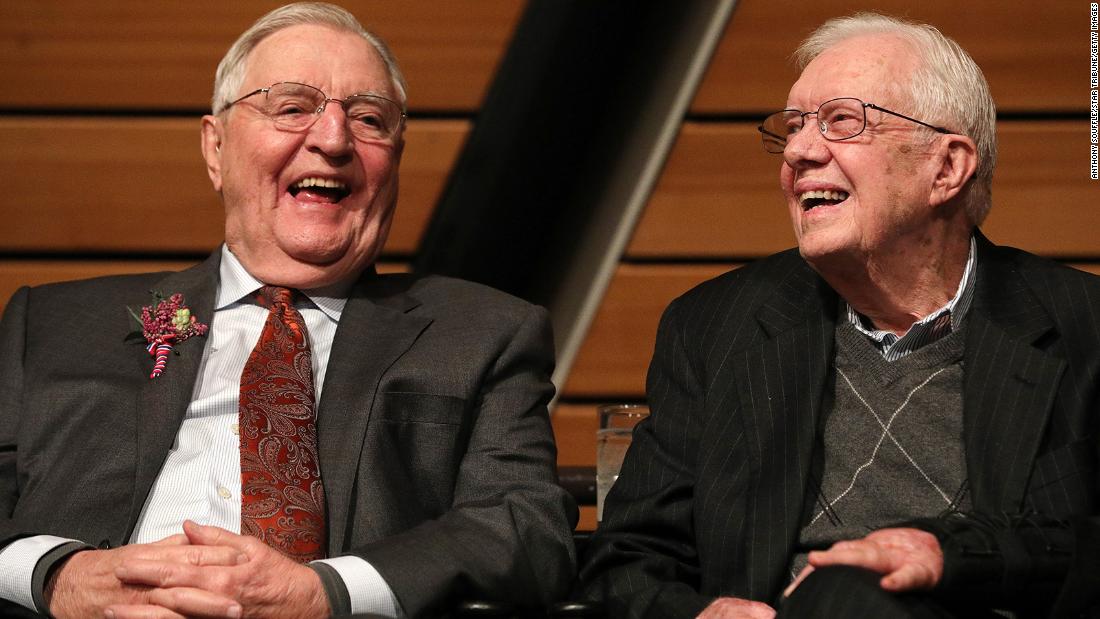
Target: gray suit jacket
x=711, y=497
x=435, y=445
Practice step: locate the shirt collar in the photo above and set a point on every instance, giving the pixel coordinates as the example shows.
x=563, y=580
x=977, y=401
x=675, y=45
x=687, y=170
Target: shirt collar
x=236, y=285
x=930, y=328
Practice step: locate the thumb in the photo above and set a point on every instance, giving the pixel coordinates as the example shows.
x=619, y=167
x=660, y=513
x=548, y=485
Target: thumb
x=209, y=536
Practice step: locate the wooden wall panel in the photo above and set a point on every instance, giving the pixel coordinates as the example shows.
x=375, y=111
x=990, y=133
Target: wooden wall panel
x=140, y=185
x=620, y=340
x=575, y=428
x=134, y=54
x=1035, y=55
x=719, y=196
x=1043, y=199
x=15, y=272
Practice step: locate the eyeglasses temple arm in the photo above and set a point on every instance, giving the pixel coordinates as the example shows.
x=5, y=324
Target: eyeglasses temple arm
x=769, y=133
x=919, y=122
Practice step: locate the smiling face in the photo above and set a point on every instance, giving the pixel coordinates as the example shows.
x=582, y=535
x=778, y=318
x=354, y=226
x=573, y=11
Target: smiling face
x=311, y=208
x=856, y=198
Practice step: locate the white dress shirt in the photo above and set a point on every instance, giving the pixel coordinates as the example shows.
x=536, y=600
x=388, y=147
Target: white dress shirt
x=201, y=477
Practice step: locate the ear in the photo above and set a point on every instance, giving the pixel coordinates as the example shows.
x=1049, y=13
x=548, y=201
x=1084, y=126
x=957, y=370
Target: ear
x=958, y=158
x=211, y=149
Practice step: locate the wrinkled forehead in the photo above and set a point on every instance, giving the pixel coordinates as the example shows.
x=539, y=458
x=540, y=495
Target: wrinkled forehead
x=874, y=68
x=337, y=61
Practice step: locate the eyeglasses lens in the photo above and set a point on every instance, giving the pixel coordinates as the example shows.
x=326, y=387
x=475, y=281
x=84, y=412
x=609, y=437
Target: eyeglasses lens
x=295, y=107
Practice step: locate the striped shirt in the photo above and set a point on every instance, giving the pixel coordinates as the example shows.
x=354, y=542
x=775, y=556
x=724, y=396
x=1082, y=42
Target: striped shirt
x=928, y=329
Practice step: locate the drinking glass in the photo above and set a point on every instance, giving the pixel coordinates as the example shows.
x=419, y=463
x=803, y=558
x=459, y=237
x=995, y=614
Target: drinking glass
x=617, y=423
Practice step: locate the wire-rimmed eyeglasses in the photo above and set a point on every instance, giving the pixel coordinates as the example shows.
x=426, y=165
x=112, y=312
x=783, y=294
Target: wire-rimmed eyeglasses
x=295, y=107
x=838, y=119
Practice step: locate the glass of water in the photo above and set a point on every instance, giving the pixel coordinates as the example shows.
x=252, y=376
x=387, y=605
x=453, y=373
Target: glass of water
x=617, y=423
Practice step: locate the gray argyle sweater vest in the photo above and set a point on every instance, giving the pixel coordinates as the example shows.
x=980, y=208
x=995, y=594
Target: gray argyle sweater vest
x=892, y=445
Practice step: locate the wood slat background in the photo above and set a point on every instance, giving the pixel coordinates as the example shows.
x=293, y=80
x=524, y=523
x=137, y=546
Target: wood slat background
x=1034, y=54
x=719, y=195
x=90, y=184
x=134, y=54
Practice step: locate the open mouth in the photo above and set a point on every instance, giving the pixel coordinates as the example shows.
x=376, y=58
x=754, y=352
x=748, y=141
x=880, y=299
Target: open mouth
x=813, y=199
x=320, y=189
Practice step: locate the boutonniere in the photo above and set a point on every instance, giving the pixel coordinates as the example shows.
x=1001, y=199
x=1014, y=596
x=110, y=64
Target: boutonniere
x=164, y=324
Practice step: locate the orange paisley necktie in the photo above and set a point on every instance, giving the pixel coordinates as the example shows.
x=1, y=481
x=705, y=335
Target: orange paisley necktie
x=282, y=497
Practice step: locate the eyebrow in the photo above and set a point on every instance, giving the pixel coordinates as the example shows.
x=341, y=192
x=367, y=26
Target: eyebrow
x=373, y=93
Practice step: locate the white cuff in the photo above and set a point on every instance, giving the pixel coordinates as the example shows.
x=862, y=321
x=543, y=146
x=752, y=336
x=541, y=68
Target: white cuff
x=369, y=592
x=17, y=562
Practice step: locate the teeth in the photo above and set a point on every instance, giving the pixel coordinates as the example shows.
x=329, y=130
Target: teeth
x=320, y=182
x=836, y=196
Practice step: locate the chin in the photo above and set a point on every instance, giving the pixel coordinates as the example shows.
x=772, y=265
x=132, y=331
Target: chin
x=320, y=249
x=820, y=247
x=316, y=257
x=322, y=268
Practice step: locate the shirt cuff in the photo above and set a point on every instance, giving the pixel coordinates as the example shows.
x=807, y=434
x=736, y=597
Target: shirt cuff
x=17, y=562
x=368, y=591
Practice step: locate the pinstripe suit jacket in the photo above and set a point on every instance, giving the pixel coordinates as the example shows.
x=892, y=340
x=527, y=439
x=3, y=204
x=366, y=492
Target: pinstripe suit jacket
x=435, y=447
x=711, y=495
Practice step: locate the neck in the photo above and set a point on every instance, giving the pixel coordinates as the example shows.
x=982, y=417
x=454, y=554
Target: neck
x=901, y=285
x=323, y=280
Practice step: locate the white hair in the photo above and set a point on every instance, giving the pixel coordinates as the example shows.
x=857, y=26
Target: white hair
x=231, y=70
x=947, y=89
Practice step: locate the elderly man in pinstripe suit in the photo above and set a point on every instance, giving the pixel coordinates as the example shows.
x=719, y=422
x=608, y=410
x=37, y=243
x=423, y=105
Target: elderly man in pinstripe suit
x=899, y=419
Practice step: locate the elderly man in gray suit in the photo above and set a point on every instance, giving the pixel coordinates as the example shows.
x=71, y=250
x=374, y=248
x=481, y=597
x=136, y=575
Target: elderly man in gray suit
x=899, y=419
x=284, y=433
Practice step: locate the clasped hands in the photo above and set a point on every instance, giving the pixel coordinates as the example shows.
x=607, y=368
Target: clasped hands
x=203, y=572
x=908, y=559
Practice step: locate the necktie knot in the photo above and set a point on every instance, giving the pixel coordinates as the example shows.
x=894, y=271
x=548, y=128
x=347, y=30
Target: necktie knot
x=275, y=297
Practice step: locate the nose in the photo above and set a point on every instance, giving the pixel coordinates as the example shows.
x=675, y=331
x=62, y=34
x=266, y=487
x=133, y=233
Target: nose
x=330, y=133
x=807, y=147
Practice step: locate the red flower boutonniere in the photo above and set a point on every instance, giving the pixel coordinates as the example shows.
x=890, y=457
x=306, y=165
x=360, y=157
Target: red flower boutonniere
x=163, y=324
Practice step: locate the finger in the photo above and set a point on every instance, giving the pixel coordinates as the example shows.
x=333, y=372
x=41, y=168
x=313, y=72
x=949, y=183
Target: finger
x=193, y=602
x=210, y=555
x=858, y=554
x=212, y=536
x=909, y=577
x=758, y=610
x=190, y=554
x=143, y=611
x=158, y=573
x=806, y=571
x=179, y=539
x=172, y=574
x=736, y=608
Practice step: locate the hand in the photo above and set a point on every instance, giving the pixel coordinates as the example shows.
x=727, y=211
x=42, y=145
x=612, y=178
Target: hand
x=86, y=583
x=911, y=559
x=268, y=584
x=736, y=608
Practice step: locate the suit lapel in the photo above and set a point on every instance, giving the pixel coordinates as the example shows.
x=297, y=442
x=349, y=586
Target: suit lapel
x=780, y=386
x=163, y=401
x=375, y=330
x=1009, y=385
